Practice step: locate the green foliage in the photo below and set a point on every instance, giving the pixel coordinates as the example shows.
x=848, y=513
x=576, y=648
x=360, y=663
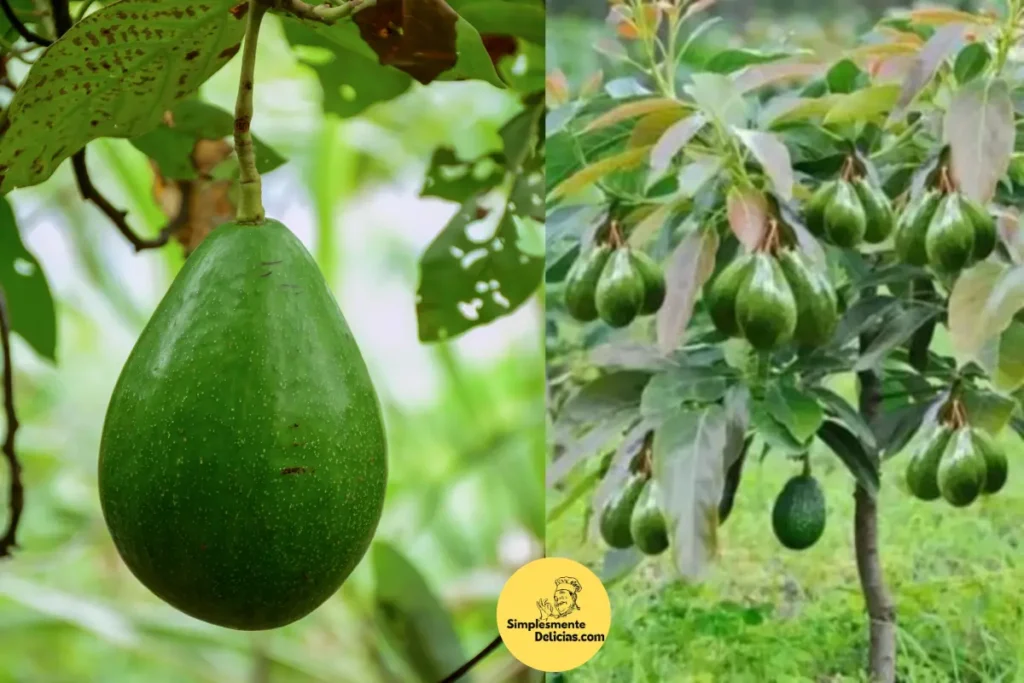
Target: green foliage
x=26, y=292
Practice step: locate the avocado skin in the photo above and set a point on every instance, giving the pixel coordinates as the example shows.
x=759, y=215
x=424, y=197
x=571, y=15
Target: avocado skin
x=581, y=283
x=647, y=524
x=912, y=228
x=962, y=470
x=878, y=214
x=996, y=465
x=620, y=290
x=845, y=220
x=246, y=372
x=618, y=511
x=654, y=282
x=814, y=211
x=949, y=241
x=816, y=303
x=985, y=235
x=721, y=294
x=923, y=468
x=798, y=517
x=765, y=307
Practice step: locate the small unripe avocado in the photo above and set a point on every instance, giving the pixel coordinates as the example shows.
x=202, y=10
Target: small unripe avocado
x=581, y=283
x=798, y=517
x=996, y=465
x=647, y=524
x=765, y=307
x=879, y=217
x=654, y=282
x=721, y=293
x=845, y=220
x=816, y=302
x=985, y=235
x=814, y=210
x=620, y=290
x=923, y=467
x=949, y=242
x=962, y=470
x=243, y=463
x=912, y=228
x=618, y=512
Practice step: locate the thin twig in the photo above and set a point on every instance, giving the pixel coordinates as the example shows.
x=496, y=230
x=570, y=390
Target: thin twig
x=326, y=13
x=250, y=200
x=464, y=669
x=17, y=492
x=20, y=27
x=117, y=216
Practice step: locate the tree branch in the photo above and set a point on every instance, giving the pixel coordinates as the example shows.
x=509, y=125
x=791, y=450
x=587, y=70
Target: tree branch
x=20, y=27
x=117, y=216
x=17, y=491
x=327, y=13
x=464, y=669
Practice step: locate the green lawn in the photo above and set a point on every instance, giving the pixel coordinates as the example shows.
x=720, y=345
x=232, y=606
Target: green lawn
x=772, y=615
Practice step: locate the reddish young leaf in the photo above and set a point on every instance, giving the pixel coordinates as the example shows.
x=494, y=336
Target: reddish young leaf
x=498, y=46
x=689, y=267
x=748, y=215
x=415, y=36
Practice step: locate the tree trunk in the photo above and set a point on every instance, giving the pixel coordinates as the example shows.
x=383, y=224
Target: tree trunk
x=881, y=611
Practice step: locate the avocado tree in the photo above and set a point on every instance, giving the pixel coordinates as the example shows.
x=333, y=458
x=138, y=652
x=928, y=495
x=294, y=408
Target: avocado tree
x=247, y=379
x=791, y=220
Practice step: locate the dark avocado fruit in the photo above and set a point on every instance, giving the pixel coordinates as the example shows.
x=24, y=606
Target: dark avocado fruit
x=243, y=460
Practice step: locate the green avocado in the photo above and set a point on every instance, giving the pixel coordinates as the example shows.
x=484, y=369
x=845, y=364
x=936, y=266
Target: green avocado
x=985, y=235
x=816, y=303
x=720, y=295
x=581, y=283
x=814, y=210
x=923, y=467
x=654, y=282
x=845, y=220
x=647, y=524
x=878, y=212
x=243, y=461
x=912, y=228
x=618, y=512
x=962, y=471
x=620, y=290
x=996, y=466
x=949, y=241
x=765, y=307
x=798, y=516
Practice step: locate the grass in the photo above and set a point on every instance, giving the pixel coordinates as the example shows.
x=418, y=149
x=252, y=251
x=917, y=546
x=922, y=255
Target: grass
x=765, y=614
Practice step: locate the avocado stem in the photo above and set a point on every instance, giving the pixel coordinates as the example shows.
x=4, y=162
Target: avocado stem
x=250, y=203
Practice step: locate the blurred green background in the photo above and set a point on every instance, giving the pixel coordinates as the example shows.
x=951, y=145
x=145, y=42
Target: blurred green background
x=764, y=613
x=465, y=420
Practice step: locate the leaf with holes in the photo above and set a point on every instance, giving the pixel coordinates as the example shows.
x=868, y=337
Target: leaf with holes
x=689, y=267
x=466, y=282
x=979, y=127
x=171, y=143
x=29, y=302
x=350, y=74
x=689, y=453
x=113, y=74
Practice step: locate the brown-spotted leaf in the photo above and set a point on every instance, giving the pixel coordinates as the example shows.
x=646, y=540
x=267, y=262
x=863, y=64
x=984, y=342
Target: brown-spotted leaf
x=113, y=74
x=415, y=36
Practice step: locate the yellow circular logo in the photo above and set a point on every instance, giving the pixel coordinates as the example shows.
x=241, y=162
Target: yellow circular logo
x=554, y=614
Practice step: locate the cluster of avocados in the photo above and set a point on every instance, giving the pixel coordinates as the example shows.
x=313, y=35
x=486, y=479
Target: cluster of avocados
x=614, y=283
x=946, y=230
x=798, y=517
x=632, y=517
x=773, y=296
x=849, y=210
x=956, y=462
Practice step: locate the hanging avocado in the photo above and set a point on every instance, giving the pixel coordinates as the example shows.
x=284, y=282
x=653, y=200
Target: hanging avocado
x=949, y=241
x=816, y=303
x=845, y=221
x=620, y=290
x=912, y=228
x=985, y=235
x=581, y=283
x=647, y=524
x=618, y=512
x=923, y=468
x=654, y=282
x=878, y=214
x=721, y=294
x=962, y=470
x=996, y=465
x=765, y=307
x=814, y=211
x=243, y=463
x=798, y=517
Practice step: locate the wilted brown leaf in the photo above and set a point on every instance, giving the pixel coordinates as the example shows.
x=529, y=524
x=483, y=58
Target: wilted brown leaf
x=415, y=36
